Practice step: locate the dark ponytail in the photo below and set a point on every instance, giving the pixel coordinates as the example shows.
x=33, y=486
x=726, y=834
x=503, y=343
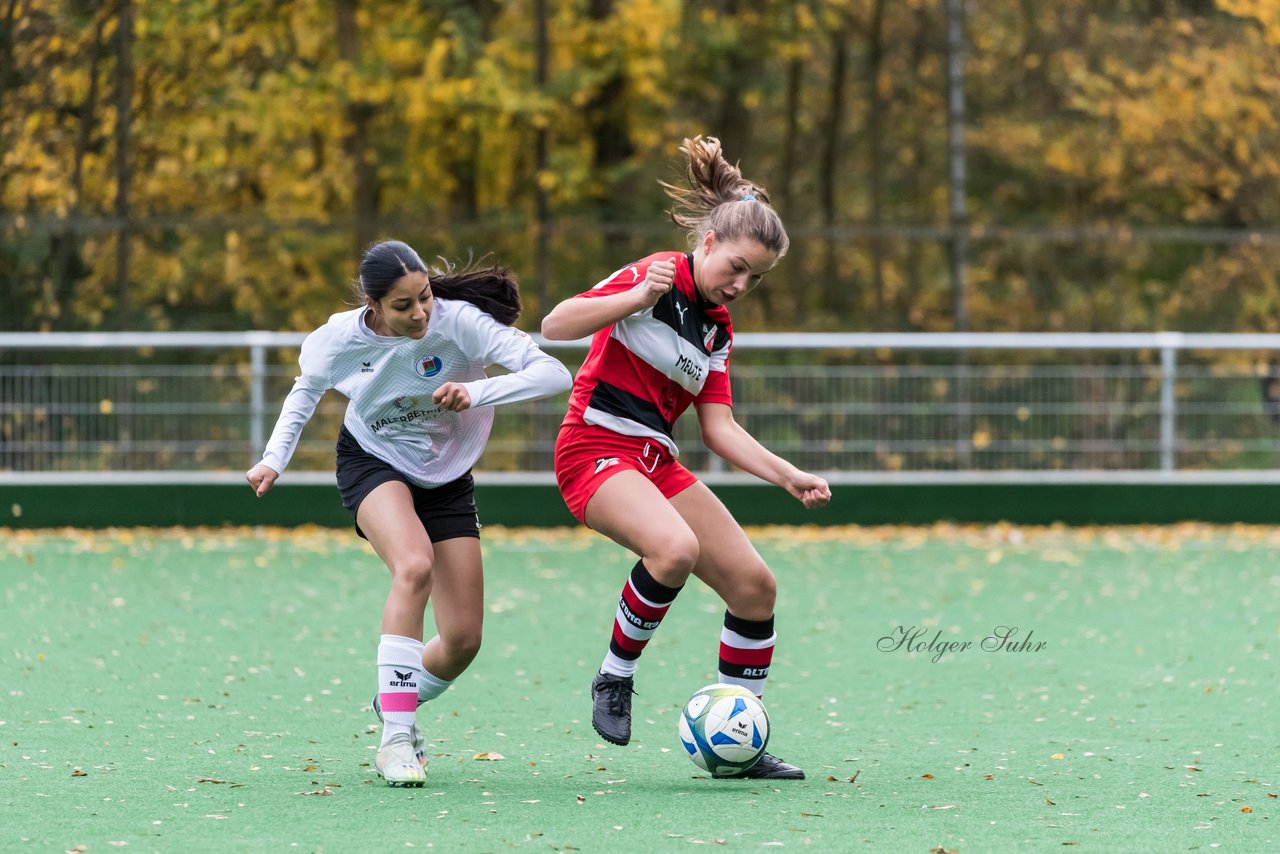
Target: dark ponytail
x=491, y=288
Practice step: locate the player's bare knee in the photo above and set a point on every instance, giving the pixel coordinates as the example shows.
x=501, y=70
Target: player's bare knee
x=463, y=647
x=414, y=574
x=767, y=590
x=754, y=595
x=673, y=563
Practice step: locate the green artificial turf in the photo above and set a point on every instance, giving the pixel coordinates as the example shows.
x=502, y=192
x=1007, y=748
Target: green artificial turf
x=207, y=690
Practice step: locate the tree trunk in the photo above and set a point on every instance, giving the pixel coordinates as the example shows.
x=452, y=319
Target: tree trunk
x=611, y=142
x=8, y=74
x=68, y=267
x=124, y=164
x=912, y=310
x=875, y=142
x=542, y=215
x=733, y=125
x=785, y=189
x=834, y=294
x=366, y=192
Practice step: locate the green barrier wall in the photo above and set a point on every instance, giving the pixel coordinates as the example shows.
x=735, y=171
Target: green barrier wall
x=97, y=506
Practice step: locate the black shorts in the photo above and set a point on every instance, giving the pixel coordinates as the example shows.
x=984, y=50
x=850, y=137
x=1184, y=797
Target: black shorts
x=446, y=511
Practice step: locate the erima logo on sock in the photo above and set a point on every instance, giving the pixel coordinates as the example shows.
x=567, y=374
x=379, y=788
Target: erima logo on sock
x=402, y=679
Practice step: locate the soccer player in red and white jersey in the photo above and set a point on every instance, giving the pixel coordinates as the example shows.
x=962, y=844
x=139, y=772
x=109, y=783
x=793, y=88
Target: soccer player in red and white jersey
x=411, y=360
x=661, y=344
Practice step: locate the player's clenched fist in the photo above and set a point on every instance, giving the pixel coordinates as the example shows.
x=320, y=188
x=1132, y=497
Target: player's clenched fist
x=261, y=478
x=658, y=280
x=452, y=396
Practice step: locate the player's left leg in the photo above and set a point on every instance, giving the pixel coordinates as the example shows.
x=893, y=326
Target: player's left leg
x=731, y=566
x=457, y=601
x=388, y=519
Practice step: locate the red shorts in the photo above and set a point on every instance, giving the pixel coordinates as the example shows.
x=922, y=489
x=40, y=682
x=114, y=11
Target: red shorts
x=587, y=456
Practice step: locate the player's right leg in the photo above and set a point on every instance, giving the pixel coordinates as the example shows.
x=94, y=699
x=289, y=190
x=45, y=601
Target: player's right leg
x=632, y=512
x=388, y=520
x=731, y=566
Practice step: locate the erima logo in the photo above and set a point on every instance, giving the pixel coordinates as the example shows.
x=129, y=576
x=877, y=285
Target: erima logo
x=604, y=462
x=402, y=679
x=367, y=369
x=634, y=619
x=429, y=367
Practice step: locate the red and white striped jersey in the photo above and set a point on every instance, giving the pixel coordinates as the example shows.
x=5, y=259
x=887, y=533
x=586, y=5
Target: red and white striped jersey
x=644, y=371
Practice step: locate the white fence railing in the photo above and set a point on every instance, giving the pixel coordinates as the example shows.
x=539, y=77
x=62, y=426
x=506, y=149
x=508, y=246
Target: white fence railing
x=911, y=407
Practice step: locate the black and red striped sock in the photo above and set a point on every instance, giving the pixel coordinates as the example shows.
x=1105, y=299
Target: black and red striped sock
x=643, y=603
x=746, y=651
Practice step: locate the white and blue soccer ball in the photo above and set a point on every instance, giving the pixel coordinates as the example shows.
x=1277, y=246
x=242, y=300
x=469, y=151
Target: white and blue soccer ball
x=724, y=729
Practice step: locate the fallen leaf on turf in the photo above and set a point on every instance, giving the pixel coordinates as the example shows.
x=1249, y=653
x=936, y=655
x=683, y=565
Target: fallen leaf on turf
x=1246, y=808
x=488, y=756
x=317, y=792
x=941, y=850
x=811, y=814
x=927, y=776
x=581, y=799
x=1057, y=756
x=209, y=780
x=78, y=773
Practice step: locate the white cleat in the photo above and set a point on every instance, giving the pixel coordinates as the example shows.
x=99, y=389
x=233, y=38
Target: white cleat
x=420, y=748
x=419, y=743
x=398, y=763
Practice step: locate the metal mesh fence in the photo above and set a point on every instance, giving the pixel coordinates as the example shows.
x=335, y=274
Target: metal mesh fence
x=827, y=403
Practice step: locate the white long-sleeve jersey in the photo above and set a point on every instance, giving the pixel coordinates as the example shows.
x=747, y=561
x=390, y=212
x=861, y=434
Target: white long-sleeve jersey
x=388, y=382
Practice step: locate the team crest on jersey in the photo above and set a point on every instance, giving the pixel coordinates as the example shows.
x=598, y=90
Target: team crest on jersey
x=708, y=335
x=404, y=403
x=429, y=366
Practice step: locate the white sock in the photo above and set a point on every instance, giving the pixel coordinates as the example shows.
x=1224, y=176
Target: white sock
x=399, y=675
x=431, y=686
x=618, y=666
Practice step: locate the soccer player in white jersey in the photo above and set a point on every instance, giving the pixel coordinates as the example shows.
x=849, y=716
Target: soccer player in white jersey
x=411, y=360
x=661, y=343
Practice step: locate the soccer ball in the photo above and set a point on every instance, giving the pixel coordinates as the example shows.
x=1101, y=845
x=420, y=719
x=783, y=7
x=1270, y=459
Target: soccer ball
x=724, y=729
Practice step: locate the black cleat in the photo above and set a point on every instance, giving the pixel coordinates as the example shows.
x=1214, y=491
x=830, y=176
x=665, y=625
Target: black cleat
x=767, y=767
x=611, y=707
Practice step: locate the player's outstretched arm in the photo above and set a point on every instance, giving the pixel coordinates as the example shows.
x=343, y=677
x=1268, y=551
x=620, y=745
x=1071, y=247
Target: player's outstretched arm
x=577, y=318
x=730, y=441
